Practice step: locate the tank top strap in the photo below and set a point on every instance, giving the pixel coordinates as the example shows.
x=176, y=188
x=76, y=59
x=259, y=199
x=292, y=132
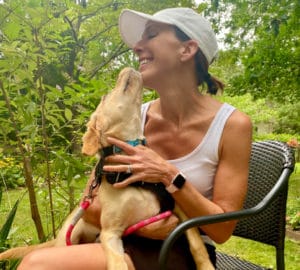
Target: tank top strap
x=215, y=131
x=144, y=109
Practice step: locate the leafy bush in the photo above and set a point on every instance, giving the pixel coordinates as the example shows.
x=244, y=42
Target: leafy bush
x=278, y=137
x=288, y=121
x=294, y=221
x=10, y=172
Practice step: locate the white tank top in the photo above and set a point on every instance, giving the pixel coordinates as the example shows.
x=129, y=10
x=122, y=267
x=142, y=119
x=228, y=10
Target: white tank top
x=200, y=165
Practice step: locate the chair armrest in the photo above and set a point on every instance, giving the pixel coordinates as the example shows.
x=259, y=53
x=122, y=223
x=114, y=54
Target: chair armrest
x=236, y=215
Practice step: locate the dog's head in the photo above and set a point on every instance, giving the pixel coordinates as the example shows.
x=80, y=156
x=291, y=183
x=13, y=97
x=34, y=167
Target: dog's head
x=118, y=114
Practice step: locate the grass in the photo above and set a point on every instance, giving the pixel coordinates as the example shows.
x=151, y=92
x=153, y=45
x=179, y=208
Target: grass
x=23, y=227
x=262, y=254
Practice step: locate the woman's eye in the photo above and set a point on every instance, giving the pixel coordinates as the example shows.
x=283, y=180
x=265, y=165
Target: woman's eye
x=152, y=34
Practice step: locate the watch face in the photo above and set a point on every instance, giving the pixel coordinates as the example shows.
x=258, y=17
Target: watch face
x=179, y=181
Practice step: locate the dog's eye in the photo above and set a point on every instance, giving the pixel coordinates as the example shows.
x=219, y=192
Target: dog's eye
x=126, y=84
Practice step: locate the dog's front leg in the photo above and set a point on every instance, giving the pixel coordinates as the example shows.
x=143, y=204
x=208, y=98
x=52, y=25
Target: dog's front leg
x=113, y=220
x=196, y=244
x=113, y=248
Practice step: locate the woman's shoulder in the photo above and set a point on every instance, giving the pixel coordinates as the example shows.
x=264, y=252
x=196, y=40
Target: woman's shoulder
x=238, y=130
x=240, y=120
x=237, y=136
x=237, y=119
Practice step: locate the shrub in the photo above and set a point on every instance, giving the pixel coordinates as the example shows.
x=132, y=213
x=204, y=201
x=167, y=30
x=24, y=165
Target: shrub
x=10, y=172
x=283, y=137
x=294, y=221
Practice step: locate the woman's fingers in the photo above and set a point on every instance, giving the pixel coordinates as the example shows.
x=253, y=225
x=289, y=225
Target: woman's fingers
x=143, y=163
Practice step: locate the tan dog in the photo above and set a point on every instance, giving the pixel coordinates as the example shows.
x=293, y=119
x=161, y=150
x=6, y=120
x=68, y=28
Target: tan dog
x=118, y=115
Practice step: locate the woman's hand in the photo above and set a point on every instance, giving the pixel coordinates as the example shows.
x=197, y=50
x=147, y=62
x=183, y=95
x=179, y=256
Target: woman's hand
x=160, y=229
x=145, y=165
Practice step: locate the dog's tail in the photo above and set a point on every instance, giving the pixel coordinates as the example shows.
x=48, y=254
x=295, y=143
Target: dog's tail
x=20, y=252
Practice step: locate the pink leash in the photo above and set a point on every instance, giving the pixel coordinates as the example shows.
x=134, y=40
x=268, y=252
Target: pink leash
x=85, y=204
x=145, y=222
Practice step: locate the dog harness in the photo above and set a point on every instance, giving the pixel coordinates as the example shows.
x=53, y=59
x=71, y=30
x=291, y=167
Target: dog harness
x=113, y=177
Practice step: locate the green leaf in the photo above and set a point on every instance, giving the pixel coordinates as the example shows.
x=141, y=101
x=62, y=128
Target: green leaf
x=53, y=120
x=8, y=223
x=68, y=114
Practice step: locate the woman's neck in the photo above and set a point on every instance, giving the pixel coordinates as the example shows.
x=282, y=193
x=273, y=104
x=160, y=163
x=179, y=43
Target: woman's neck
x=179, y=106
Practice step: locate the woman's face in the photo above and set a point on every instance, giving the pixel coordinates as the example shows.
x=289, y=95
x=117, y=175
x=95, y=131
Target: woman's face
x=158, y=52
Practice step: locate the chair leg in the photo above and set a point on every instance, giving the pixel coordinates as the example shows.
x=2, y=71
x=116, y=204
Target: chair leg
x=280, y=259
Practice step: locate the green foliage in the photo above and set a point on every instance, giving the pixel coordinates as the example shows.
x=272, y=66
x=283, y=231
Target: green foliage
x=44, y=47
x=57, y=58
x=7, y=225
x=295, y=221
x=4, y=232
x=271, y=121
x=10, y=172
x=267, y=37
x=288, y=121
x=283, y=137
x=293, y=202
x=259, y=110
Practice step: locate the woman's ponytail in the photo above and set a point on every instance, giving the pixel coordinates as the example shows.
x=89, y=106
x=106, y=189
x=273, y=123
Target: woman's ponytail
x=213, y=84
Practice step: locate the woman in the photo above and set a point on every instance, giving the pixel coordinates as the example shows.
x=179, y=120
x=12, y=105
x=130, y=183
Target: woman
x=197, y=147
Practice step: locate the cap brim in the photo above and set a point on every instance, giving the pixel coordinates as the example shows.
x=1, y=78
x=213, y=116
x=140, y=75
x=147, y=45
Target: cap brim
x=132, y=25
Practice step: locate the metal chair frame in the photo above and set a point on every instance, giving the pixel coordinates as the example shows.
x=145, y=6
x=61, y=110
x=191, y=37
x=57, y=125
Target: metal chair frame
x=263, y=216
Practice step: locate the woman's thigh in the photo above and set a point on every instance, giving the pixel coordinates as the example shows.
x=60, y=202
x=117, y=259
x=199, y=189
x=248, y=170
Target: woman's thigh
x=85, y=256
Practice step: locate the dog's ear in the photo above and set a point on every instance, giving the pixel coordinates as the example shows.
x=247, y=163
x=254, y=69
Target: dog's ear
x=91, y=138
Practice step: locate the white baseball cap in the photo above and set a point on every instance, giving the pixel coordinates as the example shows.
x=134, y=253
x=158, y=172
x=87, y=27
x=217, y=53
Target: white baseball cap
x=132, y=25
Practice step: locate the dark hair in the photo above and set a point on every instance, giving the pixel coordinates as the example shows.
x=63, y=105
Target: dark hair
x=213, y=84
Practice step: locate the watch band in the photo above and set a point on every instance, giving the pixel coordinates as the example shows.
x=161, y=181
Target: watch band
x=176, y=183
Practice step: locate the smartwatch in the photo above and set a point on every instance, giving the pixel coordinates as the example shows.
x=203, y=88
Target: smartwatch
x=176, y=183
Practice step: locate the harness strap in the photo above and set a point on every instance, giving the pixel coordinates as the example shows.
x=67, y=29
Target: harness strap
x=110, y=150
x=131, y=229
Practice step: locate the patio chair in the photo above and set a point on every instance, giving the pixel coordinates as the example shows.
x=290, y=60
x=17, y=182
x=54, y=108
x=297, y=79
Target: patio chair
x=263, y=216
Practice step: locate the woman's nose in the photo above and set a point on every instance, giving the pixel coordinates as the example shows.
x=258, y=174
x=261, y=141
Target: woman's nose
x=138, y=47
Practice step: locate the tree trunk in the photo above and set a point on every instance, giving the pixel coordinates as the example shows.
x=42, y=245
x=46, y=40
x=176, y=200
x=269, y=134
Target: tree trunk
x=32, y=198
x=27, y=169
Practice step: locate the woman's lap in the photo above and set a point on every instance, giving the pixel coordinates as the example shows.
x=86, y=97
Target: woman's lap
x=145, y=253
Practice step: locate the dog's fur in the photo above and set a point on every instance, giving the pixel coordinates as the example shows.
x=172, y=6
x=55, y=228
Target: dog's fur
x=118, y=115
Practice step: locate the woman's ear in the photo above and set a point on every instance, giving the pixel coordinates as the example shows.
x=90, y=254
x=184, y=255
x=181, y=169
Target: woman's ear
x=189, y=49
